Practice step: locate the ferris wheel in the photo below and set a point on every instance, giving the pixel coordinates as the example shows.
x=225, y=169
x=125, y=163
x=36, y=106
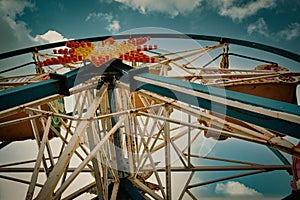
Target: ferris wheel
x=128, y=116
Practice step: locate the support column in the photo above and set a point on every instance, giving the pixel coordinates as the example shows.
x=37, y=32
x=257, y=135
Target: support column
x=168, y=155
x=117, y=137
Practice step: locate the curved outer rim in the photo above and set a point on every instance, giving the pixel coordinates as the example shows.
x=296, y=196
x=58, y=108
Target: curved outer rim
x=267, y=48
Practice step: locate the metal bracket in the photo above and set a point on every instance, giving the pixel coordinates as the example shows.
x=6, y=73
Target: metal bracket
x=132, y=82
x=63, y=83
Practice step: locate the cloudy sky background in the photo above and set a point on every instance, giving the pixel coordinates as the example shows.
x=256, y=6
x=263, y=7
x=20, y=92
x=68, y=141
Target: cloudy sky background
x=272, y=22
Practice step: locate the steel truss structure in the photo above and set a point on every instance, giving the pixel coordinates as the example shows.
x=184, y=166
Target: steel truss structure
x=131, y=131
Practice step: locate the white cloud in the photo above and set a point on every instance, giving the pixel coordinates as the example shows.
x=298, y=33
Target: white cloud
x=260, y=26
x=15, y=34
x=113, y=24
x=49, y=37
x=106, y=1
x=171, y=7
x=237, y=11
x=236, y=189
x=99, y=16
x=12, y=8
x=291, y=32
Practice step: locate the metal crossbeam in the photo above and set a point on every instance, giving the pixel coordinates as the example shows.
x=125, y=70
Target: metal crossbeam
x=224, y=168
x=271, y=114
x=34, y=91
x=254, y=45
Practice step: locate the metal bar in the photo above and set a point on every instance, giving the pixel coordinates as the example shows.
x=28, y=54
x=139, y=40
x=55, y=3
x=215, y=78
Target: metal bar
x=278, y=116
x=143, y=187
x=178, y=89
x=205, y=65
x=109, y=115
x=28, y=93
x=117, y=137
x=20, y=108
x=29, y=76
x=88, y=158
x=161, y=145
x=123, y=104
x=47, y=46
x=37, y=90
x=64, y=139
x=39, y=159
x=254, y=45
x=175, y=147
x=191, y=195
x=172, y=139
x=16, y=67
x=193, y=140
x=186, y=185
x=107, y=125
x=168, y=156
x=149, y=152
x=38, y=139
x=225, y=160
x=279, y=155
x=251, y=58
x=146, y=149
x=189, y=142
x=225, y=178
x=115, y=189
x=279, y=144
x=111, y=161
x=154, y=124
x=232, y=82
x=50, y=154
x=14, y=84
x=63, y=179
x=19, y=180
x=64, y=159
x=48, y=147
x=44, y=112
x=181, y=67
x=105, y=175
x=214, y=76
x=80, y=191
x=198, y=126
x=179, y=153
x=95, y=164
x=224, y=168
x=22, y=162
x=65, y=142
x=30, y=169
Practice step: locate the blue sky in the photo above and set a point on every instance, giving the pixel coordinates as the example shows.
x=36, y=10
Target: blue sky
x=272, y=22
